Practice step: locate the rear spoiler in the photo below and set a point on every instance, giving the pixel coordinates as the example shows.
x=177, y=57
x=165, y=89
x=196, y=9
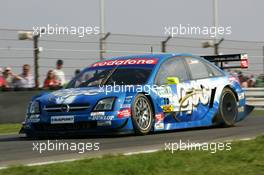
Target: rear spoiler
x=225, y=59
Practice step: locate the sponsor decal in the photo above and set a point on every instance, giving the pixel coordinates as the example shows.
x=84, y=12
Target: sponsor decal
x=126, y=112
x=241, y=109
x=97, y=113
x=188, y=96
x=132, y=61
x=167, y=108
x=104, y=123
x=164, y=91
x=128, y=99
x=101, y=116
x=125, y=105
x=159, y=125
x=241, y=96
x=159, y=117
x=62, y=119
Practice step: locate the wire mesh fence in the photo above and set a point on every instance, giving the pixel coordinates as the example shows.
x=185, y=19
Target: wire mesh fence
x=79, y=52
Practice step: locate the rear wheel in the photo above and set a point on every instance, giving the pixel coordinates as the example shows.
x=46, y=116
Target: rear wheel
x=227, y=111
x=142, y=115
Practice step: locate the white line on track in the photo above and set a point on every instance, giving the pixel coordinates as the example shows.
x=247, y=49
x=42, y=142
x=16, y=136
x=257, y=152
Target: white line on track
x=141, y=152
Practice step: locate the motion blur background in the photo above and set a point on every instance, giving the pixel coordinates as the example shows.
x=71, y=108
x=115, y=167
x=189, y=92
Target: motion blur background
x=136, y=27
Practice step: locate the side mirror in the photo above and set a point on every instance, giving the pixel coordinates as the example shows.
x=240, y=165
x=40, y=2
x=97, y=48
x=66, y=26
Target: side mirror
x=172, y=80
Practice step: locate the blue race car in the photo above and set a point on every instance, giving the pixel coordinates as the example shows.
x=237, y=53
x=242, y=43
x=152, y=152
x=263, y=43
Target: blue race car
x=142, y=94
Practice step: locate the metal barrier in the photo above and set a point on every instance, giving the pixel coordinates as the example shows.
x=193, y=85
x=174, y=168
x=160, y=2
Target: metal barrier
x=13, y=104
x=255, y=96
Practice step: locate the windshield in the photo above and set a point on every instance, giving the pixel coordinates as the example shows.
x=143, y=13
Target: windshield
x=110, y=76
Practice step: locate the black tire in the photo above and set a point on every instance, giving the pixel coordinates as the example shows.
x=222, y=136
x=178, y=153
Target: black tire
x=227, y=110
x=35, y=137
x=142, y=115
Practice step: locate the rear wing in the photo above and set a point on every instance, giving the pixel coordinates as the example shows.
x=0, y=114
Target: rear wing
x=229, y=61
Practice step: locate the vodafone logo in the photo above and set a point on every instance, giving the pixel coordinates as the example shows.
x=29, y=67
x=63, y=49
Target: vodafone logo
x=133, y=61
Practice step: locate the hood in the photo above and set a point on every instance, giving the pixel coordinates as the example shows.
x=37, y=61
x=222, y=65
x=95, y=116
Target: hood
x=78, y=95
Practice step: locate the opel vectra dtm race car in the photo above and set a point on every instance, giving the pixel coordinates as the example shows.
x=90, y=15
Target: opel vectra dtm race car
x=142, y=94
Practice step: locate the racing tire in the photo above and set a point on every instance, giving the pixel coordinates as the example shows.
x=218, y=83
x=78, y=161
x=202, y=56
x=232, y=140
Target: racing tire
x=227, y=110
x=142, y=115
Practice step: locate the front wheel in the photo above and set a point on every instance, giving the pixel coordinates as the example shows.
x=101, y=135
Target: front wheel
x=142, y=115
x=227, y=111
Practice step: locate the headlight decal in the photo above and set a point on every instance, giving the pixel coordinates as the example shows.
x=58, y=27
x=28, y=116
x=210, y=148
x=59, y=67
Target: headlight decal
x=34, y=108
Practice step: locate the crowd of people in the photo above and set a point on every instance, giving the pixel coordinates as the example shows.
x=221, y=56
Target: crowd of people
x=12, y=80
x=249, y=81
x=55, y=78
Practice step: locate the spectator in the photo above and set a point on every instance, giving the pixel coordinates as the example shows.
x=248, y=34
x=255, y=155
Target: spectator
x=9, y=78
x=251, y=81
x=240, y=77
x=77, y=72
x=2, y=80
x=25, y=79
x=244, y=82
x=59, y=74
x=50, y=81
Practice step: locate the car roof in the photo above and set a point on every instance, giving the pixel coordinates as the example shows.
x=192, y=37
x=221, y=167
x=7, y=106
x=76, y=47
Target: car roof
x=159, y=57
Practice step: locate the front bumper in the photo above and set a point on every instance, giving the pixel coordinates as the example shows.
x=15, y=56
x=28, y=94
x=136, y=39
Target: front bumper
x=81, y=126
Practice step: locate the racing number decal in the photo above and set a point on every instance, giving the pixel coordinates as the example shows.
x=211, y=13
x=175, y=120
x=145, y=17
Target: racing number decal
x=187, y=97
x=190, y=98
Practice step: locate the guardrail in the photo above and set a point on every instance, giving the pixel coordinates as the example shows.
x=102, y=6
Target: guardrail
x=13, y=104
x=254, y=96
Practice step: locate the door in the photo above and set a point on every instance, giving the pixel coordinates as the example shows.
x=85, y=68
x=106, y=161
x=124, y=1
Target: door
x=170, y=96
x=201, y=87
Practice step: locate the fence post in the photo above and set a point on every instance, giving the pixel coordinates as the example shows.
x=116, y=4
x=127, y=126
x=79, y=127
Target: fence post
x=263, y=58
x=101, y=44
x=36, y=59
x=163, y=44
x=29, y=35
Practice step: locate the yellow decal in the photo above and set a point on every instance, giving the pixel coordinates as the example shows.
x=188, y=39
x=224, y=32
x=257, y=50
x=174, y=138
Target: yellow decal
x=167, y=108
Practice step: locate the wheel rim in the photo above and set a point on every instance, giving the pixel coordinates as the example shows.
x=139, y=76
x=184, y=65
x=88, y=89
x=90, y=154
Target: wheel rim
x=142, y=113
x=229, y=108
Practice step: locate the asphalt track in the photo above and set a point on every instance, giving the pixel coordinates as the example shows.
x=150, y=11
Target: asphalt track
x=16, y=150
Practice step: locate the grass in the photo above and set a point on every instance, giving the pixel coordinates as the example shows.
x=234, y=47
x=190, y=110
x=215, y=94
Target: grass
x=245, y=157
x=10, y=128
x=257, y=113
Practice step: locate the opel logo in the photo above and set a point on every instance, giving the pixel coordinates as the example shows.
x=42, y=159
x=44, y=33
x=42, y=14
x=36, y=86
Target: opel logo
x=65, y=108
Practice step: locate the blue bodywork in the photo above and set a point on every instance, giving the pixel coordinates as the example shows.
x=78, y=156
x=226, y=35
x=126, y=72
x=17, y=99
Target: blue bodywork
x=170, y=111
